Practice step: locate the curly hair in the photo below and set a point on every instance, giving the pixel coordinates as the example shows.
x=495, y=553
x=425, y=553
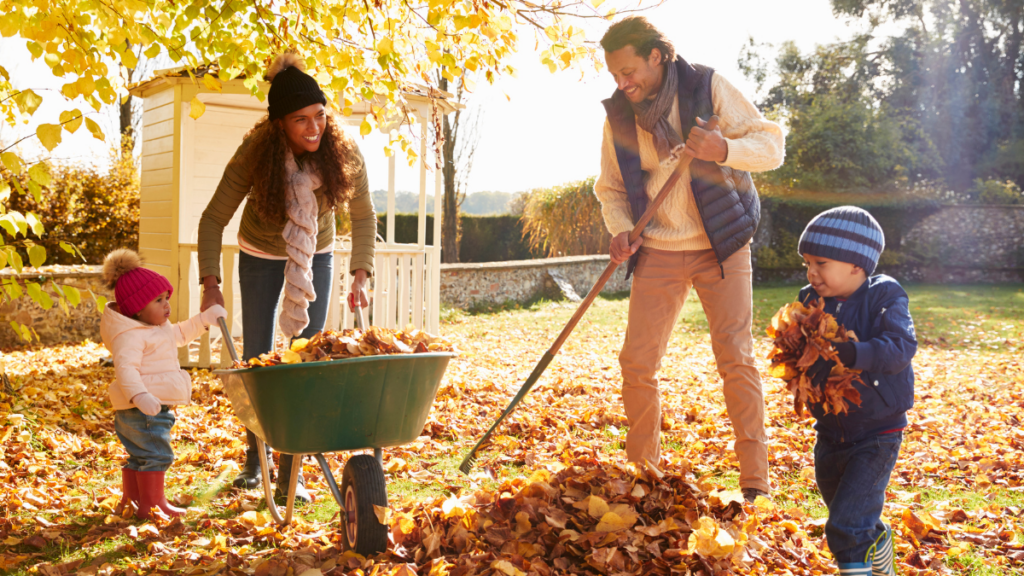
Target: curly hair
x=337, y=161
x=638, y=32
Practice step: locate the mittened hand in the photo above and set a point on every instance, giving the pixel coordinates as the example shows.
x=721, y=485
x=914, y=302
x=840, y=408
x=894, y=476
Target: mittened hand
x=211, y=314
x=847, y=353
x=149, y=404
x=820, y=371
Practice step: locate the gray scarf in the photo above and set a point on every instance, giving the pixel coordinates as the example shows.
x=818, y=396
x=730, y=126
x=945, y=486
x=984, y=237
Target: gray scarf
x=652, y=115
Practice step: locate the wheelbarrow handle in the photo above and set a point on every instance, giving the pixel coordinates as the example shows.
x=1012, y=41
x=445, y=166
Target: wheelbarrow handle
x=358, y=310
x=228, y=342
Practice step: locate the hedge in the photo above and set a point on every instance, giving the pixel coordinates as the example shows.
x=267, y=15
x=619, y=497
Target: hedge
x=483, y=239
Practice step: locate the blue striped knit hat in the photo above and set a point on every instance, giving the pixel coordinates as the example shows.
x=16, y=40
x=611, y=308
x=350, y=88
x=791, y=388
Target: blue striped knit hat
x=847, y=234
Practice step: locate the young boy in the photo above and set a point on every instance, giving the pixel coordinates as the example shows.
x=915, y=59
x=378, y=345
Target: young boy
x=855, y=452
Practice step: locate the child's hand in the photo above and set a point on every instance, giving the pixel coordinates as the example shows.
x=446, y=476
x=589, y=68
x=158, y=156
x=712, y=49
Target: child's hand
x=210, y=315
x=149, y=404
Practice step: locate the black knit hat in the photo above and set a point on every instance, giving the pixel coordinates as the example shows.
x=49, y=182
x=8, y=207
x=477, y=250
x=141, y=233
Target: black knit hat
x=291, y=88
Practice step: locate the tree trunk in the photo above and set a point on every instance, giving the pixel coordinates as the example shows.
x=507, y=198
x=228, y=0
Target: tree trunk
x=126, y=121
x=450, y=207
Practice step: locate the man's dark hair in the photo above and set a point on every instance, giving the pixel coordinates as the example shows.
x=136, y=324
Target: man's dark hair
x=637, y=32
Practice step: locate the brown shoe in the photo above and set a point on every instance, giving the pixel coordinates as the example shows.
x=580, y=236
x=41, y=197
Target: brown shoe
x=751, y=494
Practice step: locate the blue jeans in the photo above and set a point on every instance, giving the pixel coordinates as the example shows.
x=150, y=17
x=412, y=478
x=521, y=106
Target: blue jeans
x=146, y=438
x=261, y=282
x=852, y=478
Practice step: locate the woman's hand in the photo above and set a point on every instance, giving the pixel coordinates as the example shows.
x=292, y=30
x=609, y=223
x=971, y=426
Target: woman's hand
x=211, y=294
x=358, y=291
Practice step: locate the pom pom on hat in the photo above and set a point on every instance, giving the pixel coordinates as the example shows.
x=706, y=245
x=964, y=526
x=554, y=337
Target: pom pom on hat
x=134, y=286
x=291, y=88
x=284, y=61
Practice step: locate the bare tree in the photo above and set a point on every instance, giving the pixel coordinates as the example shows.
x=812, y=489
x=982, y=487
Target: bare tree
x=461, y=136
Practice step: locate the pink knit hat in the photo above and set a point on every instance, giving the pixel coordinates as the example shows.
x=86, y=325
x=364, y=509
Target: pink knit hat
x=134, y=286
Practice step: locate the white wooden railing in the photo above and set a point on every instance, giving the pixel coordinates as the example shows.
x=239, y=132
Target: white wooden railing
x=405, y=290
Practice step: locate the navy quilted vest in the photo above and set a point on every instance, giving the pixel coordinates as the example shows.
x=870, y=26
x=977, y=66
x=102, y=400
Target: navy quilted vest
x=726, y=198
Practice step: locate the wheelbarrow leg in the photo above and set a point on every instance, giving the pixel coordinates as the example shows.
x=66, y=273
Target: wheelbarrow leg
x=331, y=483
x=268, y=491
x=292, y=483
x=379, y=455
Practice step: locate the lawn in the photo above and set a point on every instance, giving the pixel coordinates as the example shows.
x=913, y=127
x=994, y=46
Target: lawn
x=955, y=500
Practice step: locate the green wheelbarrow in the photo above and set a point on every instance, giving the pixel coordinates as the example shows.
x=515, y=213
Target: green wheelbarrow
x=333, y=406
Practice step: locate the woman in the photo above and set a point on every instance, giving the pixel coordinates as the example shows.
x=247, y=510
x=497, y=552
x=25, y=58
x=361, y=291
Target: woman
x=296, y=167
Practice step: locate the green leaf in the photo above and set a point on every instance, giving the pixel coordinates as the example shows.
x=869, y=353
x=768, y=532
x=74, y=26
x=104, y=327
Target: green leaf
x=71, y=119
x=35, y=190
x=13, y=288
x=12, y=161
x=153, y=51
x=93, y=127
x=19, y=221
x=28, y=101
x=7, y=223
x=101, y=301
x=36, y=223
x=16, y=262
x=40, y=173
x=34, y=49
x=21, y=331
x=67, y=247
x=73, y=295
x=49, y=135
x=36, y=293
x=36, y=255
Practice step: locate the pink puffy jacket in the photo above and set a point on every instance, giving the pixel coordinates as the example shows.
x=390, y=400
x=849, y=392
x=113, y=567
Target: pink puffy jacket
x=146, y=358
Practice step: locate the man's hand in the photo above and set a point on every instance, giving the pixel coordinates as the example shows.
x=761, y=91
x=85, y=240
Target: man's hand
x=358, y=291
x=621, y=250
x=211, y=294
x=707, y=145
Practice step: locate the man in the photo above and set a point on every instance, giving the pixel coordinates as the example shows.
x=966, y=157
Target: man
x=699, y=237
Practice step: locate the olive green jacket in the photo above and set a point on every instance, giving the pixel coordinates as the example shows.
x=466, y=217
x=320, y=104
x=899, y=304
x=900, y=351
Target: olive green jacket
x=234, y=187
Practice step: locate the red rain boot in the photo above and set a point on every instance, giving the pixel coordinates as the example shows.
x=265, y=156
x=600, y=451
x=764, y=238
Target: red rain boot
x=151, y=494
x=129, y=491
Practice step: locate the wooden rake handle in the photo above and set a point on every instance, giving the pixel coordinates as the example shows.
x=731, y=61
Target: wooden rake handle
x=638, y=229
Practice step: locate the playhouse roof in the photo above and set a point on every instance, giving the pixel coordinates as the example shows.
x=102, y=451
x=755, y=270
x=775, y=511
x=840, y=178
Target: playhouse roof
x=169, y=77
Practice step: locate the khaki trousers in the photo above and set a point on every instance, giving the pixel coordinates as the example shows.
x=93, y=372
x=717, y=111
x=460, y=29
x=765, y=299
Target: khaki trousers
x=661, y=282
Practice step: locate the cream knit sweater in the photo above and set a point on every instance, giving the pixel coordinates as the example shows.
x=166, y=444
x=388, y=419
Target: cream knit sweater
x=755, y=145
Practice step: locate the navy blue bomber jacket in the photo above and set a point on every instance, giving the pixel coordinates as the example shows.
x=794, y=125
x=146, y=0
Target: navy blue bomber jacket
x=879, y=313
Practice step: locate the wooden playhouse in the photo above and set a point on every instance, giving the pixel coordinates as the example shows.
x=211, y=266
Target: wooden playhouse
x=182, y=163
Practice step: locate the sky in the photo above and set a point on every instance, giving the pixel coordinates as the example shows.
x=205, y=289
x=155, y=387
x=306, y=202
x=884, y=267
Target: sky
x=542, y=129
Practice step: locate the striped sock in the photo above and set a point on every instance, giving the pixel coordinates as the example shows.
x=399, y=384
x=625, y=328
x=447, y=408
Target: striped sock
x=855, y=569
x=882, y=555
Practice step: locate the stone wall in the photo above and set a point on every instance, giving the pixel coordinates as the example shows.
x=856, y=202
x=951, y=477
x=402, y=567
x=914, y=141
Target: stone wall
x=54, y=326
x=957, y=245
x=467, y=285
x=975, y=237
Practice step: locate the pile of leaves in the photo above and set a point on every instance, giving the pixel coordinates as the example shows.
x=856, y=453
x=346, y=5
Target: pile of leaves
x=352, y=343
x=804, y=334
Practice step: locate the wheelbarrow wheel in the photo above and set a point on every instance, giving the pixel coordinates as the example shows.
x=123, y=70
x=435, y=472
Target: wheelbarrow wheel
x=363, y=487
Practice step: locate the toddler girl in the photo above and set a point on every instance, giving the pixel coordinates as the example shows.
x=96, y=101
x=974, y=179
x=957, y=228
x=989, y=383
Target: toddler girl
x=148, y=379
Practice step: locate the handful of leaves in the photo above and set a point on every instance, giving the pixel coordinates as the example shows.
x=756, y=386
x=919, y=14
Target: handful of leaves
x=803, y=334
x=351, y=343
